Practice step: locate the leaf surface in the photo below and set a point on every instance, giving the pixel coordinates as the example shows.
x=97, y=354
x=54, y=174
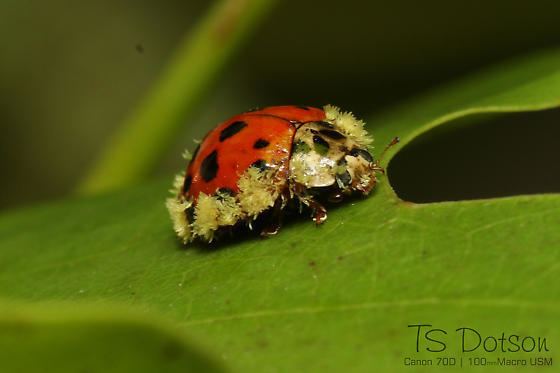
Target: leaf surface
x=59, y=337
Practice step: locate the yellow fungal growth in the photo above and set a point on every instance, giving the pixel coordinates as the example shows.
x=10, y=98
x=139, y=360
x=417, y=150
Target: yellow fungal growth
x=257, y=191
x=206, y=214
x=177, y=184
x=177, y=206
x=229, y=211
x=297, y=169
x=187, y=155
x=177, y=213
x=348, y=124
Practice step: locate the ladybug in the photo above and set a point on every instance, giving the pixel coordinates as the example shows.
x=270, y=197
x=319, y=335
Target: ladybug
x=258, y=163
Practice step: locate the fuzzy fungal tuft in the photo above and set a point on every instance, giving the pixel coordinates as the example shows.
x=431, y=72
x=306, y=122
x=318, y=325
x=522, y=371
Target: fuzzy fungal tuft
x=257, y=191
x=206, y=215
x=177, y=211
x=229, y=211
x=348, y=124
x=187, y=155
x=177, y=184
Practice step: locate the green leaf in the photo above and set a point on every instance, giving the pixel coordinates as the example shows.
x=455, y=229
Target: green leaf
x=336, y=297
x=70, y=338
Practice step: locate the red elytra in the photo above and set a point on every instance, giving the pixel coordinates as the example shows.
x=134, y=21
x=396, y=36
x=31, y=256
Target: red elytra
x=260, y=136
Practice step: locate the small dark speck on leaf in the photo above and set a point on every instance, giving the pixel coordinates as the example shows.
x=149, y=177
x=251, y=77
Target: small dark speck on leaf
x=392, y=333
x=139, y=48
x=312, y=263
x=340, y=257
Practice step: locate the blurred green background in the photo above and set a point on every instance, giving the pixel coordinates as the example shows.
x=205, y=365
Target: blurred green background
x=70, y=72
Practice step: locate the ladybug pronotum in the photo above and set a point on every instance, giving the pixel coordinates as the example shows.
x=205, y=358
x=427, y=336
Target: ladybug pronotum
x=256, y=164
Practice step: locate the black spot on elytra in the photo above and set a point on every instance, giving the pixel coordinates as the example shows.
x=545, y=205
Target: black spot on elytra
x=335, y=135
x=260, y=164
x=302, y=107
x=187, y=184
x=226, y=192
x=344, y=178
x=232, y=129
x=260, y=143
x=209, y=166
x=321, y=145
x=355, y=152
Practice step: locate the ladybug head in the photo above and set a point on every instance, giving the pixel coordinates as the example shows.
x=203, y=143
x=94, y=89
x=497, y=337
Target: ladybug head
x=328, y=155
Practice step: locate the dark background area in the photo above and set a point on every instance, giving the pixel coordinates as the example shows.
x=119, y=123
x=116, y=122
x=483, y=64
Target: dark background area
x=482, y=156
x=71, y=72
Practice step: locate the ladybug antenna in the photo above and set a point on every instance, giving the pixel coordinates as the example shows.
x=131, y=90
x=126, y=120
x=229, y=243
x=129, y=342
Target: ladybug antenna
x=377, y=166
x=393, y=142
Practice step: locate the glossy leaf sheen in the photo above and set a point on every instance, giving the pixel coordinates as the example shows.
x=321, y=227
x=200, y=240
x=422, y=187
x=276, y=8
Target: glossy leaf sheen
x=330, y=298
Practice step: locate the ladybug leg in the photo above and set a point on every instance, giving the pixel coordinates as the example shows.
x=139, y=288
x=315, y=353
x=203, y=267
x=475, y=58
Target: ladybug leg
x=273, y=225
x=319, y=212
x=275, y=221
